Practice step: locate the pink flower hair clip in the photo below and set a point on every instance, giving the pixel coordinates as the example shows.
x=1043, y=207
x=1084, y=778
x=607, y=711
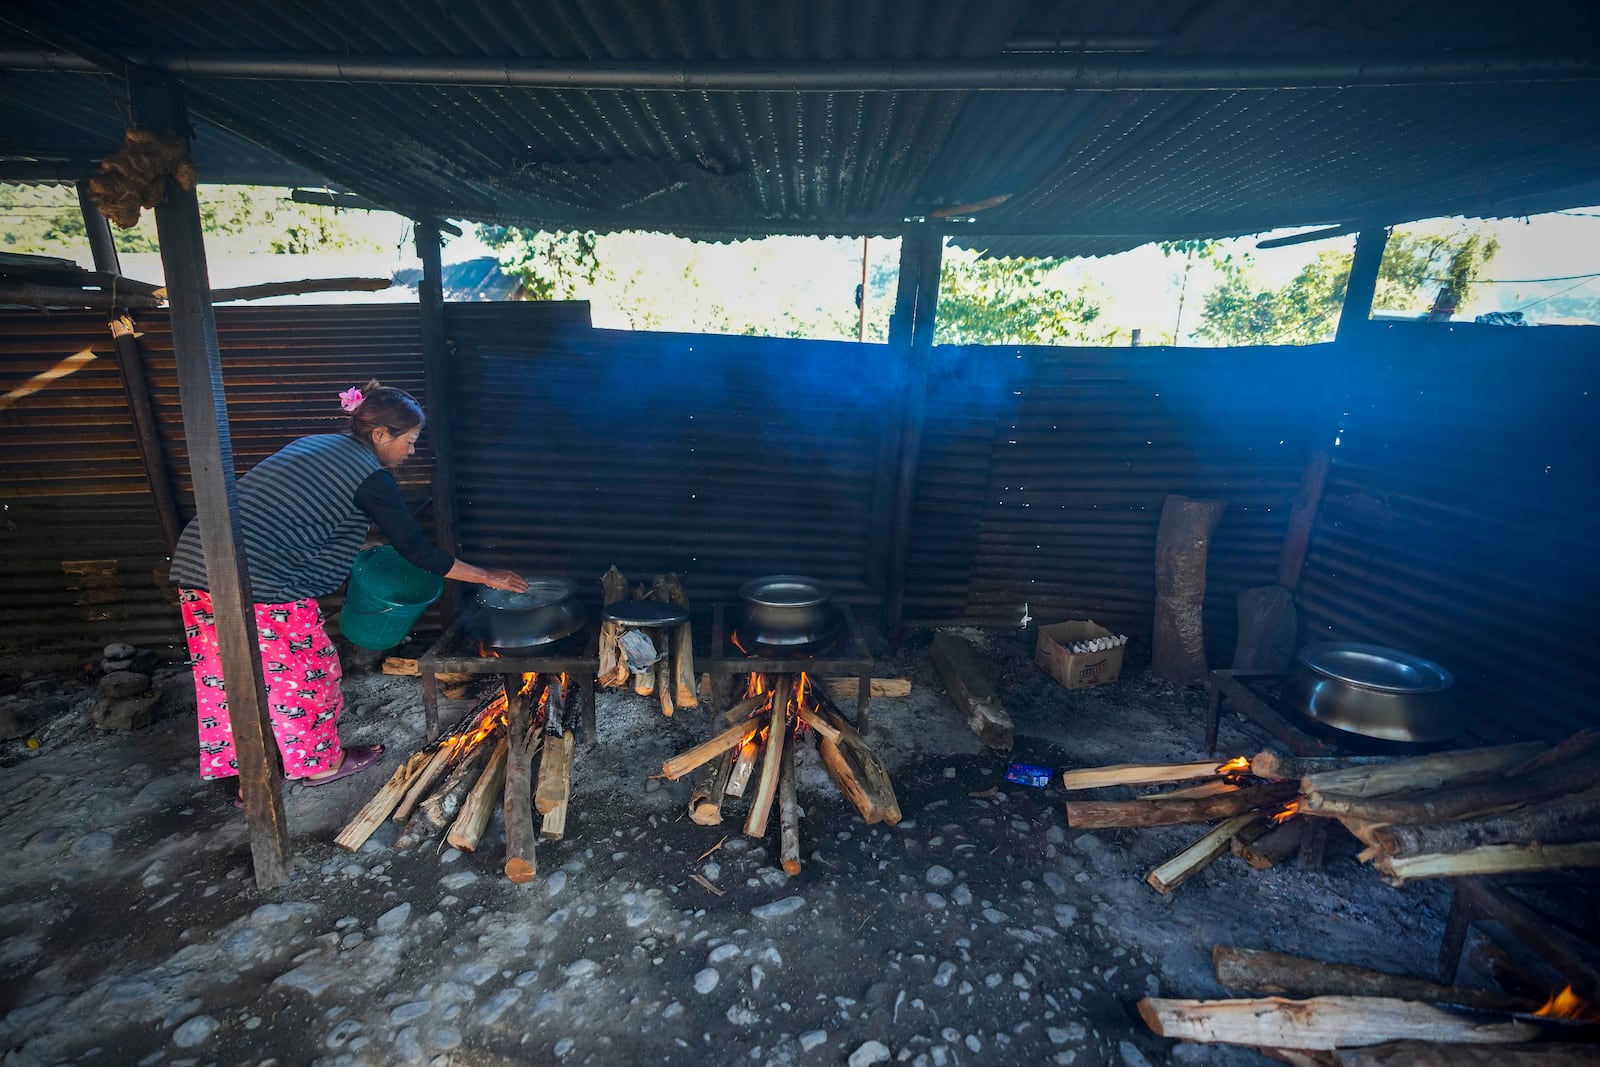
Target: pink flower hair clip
x=351, y=399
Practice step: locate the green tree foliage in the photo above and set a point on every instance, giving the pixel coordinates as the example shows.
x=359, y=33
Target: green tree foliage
x=45, y=220
x=1011, y=302
x=1306, y=310
x=547, y=266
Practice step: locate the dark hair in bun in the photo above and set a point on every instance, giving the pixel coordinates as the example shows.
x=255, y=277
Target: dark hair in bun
x=394, y=409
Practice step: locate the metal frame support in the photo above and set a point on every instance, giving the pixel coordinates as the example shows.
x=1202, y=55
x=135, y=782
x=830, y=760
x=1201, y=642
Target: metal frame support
x=131, y=365
x=911, y=340
x=205, y=427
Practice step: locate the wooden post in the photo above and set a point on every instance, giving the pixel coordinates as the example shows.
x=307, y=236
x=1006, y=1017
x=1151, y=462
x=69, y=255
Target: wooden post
x=205, y=427
x=911, y=341
x=436, y=378
x=1182, y=542
x=1356, y=311
x=131, y=366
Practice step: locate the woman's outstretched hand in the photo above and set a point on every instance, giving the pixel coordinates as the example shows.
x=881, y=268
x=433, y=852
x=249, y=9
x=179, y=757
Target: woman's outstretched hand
x=510, y=581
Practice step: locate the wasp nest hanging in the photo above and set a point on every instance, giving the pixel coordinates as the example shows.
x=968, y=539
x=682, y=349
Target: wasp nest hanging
x=136, y=175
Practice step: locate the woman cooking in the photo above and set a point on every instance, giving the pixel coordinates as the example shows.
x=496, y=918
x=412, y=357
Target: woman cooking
x=303, y=514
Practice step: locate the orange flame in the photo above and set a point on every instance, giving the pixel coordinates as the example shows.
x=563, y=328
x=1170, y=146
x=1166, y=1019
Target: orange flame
x=1287, y=813
x=1568, y=1005
x=734, y=637
x=1237, y=765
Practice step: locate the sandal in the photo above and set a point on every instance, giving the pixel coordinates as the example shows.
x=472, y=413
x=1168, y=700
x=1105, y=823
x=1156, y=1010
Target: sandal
x=357, y=758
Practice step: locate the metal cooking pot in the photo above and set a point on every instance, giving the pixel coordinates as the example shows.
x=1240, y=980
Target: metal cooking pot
x=547, y=612
x=1373, y=691
x=786, y=610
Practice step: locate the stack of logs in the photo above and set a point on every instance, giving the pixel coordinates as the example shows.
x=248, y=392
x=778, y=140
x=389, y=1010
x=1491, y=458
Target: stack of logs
x=1321, y=1014
x=762, y=730
x=672, y=676
x=455, y=784
x=1509, y=808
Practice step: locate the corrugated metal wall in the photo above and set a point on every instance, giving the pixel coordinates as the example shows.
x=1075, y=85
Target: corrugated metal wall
x=1045, y=472
x=83, y=550
x=1462, y=514
x=1459, y=519
x=722, y=458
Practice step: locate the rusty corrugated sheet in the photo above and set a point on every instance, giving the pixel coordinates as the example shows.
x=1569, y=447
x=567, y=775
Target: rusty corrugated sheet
x=1461, y=515
x=79, y=537
x=82, y=544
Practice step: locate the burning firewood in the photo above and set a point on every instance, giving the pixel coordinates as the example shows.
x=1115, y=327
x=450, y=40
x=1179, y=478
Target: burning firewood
x=1147, y=773
x=737, y=734
x=744, y=765
x=439, y=808
x=755, y=824
x=762, y=730
x=1097, y=814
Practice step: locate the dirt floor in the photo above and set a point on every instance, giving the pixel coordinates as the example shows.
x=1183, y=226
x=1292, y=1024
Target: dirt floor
x=981, y=930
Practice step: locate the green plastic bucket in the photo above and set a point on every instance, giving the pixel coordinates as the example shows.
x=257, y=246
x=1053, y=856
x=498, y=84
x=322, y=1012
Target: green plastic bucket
x=385, y=598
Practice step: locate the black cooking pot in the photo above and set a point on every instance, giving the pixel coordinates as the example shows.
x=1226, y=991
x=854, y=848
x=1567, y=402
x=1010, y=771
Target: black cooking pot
x=786, y=611
x=547, y=612
x=1373, y=691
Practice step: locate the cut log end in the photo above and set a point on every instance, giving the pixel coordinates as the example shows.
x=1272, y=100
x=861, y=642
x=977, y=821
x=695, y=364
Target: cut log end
x=520, y=870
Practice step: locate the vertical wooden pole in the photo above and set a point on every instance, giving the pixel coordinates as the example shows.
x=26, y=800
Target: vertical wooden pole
x=205, y=427
x=131, y=365
x=1363, y=284
x=436, y=376
x=911, y=342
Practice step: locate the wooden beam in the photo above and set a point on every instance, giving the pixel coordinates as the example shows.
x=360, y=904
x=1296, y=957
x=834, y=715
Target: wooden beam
x=910, y=343
x=130, y=364
x=205, y=427
x=438, y=392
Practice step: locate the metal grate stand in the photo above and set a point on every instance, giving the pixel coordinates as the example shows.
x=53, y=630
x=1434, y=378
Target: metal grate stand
x=847, y=655
x=454, y=653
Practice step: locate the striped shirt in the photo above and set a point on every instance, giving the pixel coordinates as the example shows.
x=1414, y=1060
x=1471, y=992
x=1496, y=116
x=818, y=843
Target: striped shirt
x=299, y=520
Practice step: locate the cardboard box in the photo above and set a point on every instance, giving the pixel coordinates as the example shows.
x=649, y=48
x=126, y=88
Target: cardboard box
x=1077, y=670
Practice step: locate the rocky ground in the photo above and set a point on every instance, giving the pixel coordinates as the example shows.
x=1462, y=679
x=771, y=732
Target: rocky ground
x=981, y=930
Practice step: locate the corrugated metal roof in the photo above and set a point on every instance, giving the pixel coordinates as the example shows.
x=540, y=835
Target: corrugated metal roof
x=1086, y=172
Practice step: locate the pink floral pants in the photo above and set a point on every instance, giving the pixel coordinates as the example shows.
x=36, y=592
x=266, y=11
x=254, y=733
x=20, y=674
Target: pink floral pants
x=302, y=671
